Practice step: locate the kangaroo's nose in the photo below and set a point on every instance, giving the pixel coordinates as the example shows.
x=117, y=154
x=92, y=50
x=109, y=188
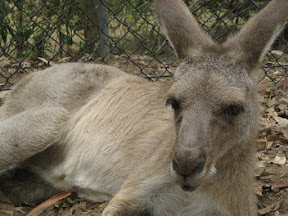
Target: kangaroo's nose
x=188, y=166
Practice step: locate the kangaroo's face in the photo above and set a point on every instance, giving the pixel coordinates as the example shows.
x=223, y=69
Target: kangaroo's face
x=213, y=97
x=212, y=116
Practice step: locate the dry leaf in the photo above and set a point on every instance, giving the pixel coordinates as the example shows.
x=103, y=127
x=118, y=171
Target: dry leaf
x=43, y=60
x=276, y=214
x=259, y=154
x=280, y=160
x=271, y=112
x=40, y=208
x=265, y=159
x=261, y=144
x=23, y=210
x=6, y=212
x=26, y=64
x=272, y=102
x=281, y=121
x=268, y=144
x=65, y=59
x=286, y=80
x=272, y=138
x=260, y=164
x=285, y=132
x=269, y=208
x=259, y=190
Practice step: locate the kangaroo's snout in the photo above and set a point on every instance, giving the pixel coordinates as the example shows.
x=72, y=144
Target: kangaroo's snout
x=188, y=166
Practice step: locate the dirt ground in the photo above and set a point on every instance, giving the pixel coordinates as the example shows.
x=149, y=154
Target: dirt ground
x=272, y=146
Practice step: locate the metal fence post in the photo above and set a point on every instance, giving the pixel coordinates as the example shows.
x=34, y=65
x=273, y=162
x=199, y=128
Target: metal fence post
x=103, y=24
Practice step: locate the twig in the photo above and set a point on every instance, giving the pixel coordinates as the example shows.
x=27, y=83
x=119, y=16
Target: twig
x=286, y=81
x=282, y=186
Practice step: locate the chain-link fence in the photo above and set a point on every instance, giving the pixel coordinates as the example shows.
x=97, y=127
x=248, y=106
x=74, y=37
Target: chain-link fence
x=39, y=33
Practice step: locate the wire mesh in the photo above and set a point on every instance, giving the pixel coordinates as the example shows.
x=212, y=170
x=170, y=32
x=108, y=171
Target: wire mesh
x=74, y=30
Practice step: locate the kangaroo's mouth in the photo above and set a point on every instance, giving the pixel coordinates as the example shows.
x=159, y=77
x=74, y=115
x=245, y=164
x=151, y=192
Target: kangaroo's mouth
x=188, y=188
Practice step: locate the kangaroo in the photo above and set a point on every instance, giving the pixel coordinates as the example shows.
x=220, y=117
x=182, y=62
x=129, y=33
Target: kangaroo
x=184, y=149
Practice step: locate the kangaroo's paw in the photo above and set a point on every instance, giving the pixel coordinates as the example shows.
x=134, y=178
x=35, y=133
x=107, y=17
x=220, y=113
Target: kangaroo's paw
x=113, y=211
x=123, y=207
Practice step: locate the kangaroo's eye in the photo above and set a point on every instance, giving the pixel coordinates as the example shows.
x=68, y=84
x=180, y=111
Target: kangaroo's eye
x=233, y=110
x=173, y=102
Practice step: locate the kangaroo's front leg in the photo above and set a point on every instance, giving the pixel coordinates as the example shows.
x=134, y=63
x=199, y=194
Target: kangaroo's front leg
x=150, y=189
x=158, y=198
x=122, y=205
x=27, y=133
x=130, y=201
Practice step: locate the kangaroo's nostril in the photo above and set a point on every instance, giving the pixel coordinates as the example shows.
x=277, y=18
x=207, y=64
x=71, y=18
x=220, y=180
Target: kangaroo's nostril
x=186, y=167
x=175, y=165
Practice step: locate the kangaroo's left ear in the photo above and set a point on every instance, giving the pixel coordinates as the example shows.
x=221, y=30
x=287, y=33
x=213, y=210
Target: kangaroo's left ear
x=182, y=29
x=259, y=33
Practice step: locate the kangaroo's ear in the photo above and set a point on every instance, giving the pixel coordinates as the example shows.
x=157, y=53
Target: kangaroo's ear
x=182, y=30
x=259, y=33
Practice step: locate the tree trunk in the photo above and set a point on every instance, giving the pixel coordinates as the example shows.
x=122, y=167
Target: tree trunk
x=96, y=28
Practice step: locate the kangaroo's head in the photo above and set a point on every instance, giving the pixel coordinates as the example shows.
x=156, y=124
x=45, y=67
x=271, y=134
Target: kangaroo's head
x=213, y=97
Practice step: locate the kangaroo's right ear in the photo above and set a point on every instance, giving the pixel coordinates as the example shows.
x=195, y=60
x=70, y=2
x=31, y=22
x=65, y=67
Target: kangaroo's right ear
x=258, y=34
x=181, y=28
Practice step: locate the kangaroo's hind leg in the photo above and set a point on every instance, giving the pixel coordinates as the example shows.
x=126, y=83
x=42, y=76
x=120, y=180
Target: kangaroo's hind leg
x=21, y=185
x=29, y=132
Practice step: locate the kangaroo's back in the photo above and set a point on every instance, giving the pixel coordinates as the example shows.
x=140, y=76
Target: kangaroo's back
x=68, y=85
